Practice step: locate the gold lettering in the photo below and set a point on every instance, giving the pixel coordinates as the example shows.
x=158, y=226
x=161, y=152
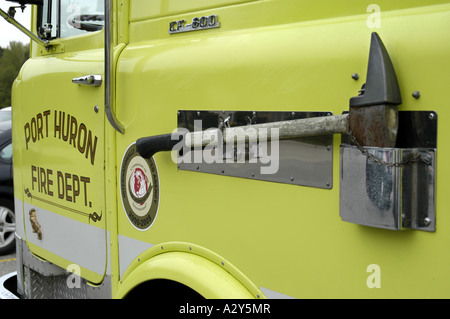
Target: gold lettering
x=33, y=178
x=65, y=135
x=75, y=187
x=49, y=181
x=91, y=148
x=67, y=128
x=42, y=180
x=57, y=124
x=60, y=185
x=27, y=134
x=73, y=134
x=85, y=180
x=68, y=187
x=39, y=122
x=33, y=129
x=82, y=141
x=46, y=114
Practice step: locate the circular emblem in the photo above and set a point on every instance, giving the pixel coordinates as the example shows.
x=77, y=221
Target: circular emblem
x=139, y=187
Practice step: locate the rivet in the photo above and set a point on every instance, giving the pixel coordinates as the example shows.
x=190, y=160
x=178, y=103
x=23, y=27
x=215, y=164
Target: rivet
x=292, y=178
x=416, y=94
x=427, y=221
x=431, y=116
x=355, y=76
x=96, y=109
x=198, y=113
x=328, y=184
x=293, y=114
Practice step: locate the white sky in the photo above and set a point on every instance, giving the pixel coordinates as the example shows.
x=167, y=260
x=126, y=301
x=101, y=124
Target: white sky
x=10, y=33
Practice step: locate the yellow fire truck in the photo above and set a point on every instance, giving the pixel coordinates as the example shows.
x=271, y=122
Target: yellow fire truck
x=232, y=149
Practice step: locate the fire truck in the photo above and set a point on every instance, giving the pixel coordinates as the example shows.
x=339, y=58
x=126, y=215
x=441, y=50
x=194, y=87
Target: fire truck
x=230, y=149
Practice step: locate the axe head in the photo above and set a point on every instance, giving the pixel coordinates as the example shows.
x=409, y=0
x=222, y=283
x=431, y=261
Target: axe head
x=373, y=116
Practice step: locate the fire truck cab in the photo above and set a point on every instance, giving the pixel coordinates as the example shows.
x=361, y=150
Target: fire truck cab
x=232, y=149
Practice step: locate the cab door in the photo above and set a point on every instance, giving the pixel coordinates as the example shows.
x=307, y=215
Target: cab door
x=61, y=133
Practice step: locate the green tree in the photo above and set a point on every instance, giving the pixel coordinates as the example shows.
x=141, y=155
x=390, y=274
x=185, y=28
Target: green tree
x=11, y=60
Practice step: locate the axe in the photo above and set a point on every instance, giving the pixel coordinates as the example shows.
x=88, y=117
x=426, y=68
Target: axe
x=372, y=119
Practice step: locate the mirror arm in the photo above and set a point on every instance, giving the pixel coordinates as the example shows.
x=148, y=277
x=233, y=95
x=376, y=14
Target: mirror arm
x=30, y=34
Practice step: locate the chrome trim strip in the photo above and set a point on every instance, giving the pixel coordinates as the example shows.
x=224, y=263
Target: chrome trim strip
x=109, y=70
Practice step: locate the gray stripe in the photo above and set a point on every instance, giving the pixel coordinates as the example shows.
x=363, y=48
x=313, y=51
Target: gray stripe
x=80, y=243
x=129, y=249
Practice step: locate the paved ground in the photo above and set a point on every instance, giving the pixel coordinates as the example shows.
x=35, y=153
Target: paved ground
x=7, y=264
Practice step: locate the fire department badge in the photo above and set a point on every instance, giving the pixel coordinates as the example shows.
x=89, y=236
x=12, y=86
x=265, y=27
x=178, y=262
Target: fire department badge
x=139, y=187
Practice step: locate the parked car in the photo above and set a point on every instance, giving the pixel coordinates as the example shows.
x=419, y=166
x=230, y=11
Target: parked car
x=5, y=114
x=7, y=216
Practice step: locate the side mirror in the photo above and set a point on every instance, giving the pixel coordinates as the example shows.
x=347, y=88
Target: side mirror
x=9, y=17
x=24, y=2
